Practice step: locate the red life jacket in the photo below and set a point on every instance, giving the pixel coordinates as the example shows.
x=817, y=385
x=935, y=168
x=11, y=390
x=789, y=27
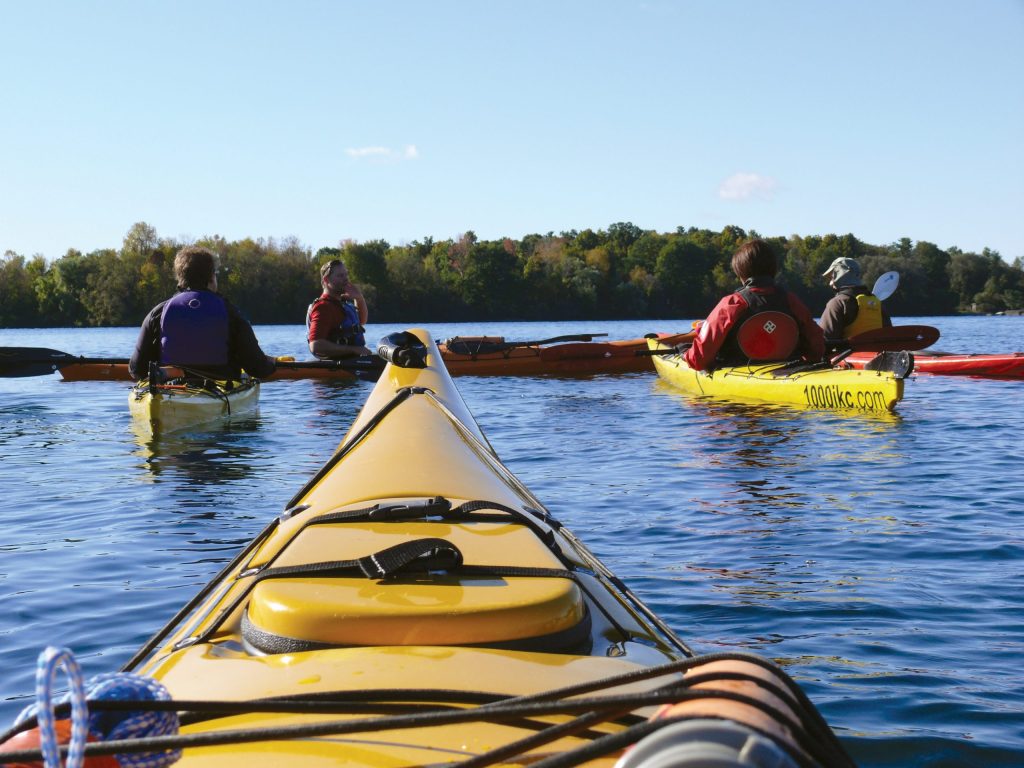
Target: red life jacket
x=766, y=331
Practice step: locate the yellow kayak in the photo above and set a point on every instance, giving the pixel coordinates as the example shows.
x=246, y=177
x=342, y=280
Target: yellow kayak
x=163, y=408
x=834, y=389
x=415, y=605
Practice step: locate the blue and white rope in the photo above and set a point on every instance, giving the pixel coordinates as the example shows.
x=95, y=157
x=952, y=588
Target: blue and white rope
x=50, y=661
x=102, y=726
x=114, y=726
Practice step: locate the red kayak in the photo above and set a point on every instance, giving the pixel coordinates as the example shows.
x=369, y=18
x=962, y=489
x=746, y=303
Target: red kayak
x=1009, y=365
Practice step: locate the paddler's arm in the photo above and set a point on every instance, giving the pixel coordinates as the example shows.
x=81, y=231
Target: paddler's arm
x=834, y=318
x=244, y=349
x=713, y=333
x=325, y=348
x=146, y=345
x=353, y=292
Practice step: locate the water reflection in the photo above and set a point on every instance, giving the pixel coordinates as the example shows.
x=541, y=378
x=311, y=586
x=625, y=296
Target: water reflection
x=222, y=453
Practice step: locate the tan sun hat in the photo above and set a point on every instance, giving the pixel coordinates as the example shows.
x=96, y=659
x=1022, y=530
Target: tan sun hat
x=843, y=271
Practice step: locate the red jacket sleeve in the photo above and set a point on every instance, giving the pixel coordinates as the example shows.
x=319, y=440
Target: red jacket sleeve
x=713, y=332
x=323, y=319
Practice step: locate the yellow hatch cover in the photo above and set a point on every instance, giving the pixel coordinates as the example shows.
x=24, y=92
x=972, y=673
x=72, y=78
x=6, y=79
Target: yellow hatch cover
x=439, y=609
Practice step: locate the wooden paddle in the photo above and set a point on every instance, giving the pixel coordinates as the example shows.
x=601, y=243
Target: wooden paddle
x=894, y=339
x=471, y=345
x=40, y=361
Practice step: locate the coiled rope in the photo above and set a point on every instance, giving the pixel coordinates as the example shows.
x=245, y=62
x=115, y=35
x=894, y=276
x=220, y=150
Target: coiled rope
x=100, y=725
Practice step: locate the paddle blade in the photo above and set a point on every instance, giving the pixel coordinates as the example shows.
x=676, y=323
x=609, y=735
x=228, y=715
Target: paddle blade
x=899, y=337
x=32, y=361
x=885, y=286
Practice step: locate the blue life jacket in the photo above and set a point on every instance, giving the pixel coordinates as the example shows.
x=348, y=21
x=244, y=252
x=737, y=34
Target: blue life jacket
x=194, y=330
x=350, y=332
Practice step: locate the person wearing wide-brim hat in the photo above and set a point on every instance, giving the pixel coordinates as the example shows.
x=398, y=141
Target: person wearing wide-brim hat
x=854, y=309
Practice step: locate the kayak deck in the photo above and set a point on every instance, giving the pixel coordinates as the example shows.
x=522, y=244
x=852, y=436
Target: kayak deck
x=164, y=408
x=840, y=389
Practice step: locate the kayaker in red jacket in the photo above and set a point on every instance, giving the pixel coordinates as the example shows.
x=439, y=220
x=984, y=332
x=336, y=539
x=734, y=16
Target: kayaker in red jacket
x=334, y=322
x=717, y=342
x=198, y=329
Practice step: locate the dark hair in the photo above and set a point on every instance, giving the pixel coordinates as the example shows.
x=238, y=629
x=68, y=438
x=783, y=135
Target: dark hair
x=325, y=270
x=194, y=267
x=755, y=258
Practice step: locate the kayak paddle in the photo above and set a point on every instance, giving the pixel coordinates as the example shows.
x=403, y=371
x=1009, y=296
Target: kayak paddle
x=40, y=361
x=885, y=286
x=479, y=346
x=894, y=339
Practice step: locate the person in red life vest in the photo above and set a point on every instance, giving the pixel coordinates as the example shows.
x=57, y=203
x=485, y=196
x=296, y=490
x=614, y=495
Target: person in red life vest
x=854, y=309
x=334, y=322
x=197, y=329
x=776, y=321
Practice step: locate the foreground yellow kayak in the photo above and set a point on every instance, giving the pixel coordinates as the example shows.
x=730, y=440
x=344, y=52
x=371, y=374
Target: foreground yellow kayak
x=838, y=389
x=162, y=408
x=416, y=605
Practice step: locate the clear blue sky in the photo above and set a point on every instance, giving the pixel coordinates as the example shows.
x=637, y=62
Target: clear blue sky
x=400, y=120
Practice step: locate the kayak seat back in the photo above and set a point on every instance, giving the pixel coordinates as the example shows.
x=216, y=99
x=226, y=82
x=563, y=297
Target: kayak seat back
x=476, y=345
x=482, y=601
x=768, y=336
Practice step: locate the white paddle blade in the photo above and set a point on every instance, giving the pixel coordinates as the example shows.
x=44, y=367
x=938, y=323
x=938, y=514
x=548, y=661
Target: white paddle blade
x=885, y=285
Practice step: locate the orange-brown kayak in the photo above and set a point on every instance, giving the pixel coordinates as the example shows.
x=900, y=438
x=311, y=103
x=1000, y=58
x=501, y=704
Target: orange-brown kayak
x=493, y=356
x=467, y=356
x=119, y=372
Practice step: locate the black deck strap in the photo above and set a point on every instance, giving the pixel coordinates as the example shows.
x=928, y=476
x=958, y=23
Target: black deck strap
x=411, y=510
x=416, y=556
x=799, y=366
x=441, y=508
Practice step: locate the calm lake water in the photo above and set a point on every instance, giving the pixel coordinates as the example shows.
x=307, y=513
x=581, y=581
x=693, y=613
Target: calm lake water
x=879, y=558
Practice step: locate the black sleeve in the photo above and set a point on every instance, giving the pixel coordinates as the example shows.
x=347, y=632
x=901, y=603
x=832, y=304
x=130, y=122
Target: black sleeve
x=835, y=317
x=244, y=349
x=147, y=345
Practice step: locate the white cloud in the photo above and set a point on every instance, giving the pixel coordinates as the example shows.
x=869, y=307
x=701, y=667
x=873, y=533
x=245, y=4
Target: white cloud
x=408, y=152
x=743, y=186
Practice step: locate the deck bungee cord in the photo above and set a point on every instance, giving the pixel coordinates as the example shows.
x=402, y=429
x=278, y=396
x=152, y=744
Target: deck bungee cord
x=158, y=714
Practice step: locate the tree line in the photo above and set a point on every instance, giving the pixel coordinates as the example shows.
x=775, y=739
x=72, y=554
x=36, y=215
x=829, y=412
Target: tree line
x=622, y=272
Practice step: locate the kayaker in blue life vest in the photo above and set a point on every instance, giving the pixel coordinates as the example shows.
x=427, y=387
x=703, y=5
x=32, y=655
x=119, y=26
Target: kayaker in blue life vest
x=197, y=329
x=760, y=322
x=854, y=309
x=335, y=321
